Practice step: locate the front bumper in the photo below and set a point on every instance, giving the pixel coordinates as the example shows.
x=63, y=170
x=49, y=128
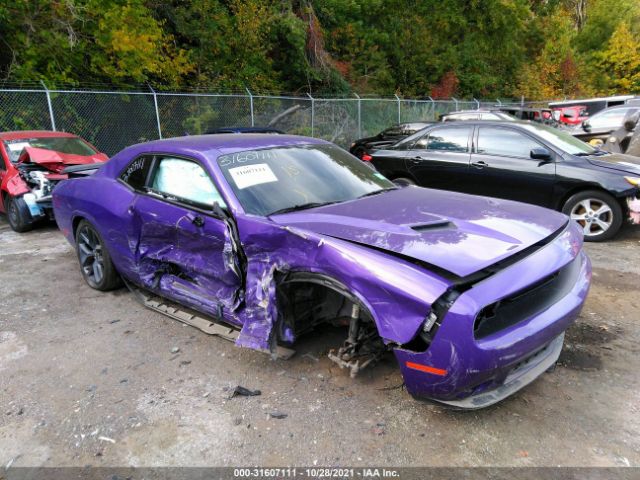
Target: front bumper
x=468, y=372
x=519, y=377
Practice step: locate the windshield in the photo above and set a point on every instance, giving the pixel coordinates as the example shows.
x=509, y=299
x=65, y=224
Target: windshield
x=289, y=178
x=560, y=139
x=70, y=145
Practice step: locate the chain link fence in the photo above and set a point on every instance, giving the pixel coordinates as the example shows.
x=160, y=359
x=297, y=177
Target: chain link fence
x=113, y=120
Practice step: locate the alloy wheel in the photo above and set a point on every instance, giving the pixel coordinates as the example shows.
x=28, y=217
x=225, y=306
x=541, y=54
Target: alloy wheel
x=594, y=216
x=91, y=258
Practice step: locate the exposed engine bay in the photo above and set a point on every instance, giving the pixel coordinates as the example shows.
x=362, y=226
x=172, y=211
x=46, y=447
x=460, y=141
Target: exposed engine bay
x=41, y=183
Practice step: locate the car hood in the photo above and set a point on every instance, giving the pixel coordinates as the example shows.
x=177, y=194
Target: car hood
x=617, y=161
x=57, y=161
x=460, y=234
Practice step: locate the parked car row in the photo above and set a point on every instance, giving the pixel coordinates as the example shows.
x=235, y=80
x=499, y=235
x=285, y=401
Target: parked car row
x=260, y=238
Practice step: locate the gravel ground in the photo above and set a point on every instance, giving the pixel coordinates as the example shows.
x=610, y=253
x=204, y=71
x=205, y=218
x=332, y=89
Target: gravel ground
x=96, y=379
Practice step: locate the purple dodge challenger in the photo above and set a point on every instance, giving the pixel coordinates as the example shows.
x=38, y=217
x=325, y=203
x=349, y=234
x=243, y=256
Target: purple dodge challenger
x=260, y=238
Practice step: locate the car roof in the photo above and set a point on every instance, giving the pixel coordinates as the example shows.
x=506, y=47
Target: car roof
x=497, y=123
x=482, y=110
x=245, y=130
x=215, y=145
x=33, y=133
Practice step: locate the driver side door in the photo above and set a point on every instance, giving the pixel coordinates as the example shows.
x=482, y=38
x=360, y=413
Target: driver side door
x=184, y=251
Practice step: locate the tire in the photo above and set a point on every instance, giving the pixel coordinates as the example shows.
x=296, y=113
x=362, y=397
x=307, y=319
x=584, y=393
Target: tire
x=18, y=214
x=403, y=182
x=598, y=213
x=95, y=262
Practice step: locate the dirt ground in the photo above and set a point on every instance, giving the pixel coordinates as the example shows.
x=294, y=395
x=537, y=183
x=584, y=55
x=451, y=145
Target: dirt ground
x=88, y=378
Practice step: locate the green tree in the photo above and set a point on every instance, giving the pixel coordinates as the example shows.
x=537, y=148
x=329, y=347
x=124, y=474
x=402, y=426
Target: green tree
x=620, y=62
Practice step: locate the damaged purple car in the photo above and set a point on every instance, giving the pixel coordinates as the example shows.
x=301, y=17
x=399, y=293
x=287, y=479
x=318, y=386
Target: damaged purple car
x=261, y=238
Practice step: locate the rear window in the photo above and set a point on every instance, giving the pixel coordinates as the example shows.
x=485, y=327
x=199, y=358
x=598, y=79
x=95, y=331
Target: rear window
x=69, y=145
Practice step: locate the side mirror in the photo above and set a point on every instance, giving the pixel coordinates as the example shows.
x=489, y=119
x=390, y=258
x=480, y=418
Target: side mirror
x=630, y=121
x=586, y=126
x=540, y=153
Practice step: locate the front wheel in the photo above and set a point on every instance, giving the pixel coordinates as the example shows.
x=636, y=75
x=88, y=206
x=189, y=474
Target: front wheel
x=598, y=213
x=95, y=262
x=18, y=214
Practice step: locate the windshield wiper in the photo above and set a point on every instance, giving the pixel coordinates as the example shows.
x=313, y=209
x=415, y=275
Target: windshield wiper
x=376, y=192
x=595, y=153
x=302, y=206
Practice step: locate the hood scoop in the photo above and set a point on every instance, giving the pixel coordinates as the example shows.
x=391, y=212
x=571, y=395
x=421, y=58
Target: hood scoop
x=424, y=227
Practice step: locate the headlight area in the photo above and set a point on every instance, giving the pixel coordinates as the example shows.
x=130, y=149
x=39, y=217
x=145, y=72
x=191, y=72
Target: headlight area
x=39, y=198
x=486, y=339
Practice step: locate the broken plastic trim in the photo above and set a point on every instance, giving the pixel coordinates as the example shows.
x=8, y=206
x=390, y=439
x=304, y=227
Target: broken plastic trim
x=239, y=256
x=207, y=325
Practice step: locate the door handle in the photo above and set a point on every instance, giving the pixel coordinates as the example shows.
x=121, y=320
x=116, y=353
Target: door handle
x=480, y=164
x=131, y=210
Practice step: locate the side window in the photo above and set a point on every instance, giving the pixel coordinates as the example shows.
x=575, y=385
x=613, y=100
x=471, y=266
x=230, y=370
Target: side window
x=185, y=180
x=501, y=141
x=421, y=143
x=449, y=139
x=137, y=172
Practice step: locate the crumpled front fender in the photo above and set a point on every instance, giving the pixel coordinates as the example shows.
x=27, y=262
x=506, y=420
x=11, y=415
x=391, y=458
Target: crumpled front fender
x=16, y=186
x=397, y=293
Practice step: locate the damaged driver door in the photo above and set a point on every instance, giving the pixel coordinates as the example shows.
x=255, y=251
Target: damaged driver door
x=184, y=250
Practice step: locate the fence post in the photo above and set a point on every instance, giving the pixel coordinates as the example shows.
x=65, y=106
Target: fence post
x=359, y=114
x=250, y=105
x=477, y=104
x=398, y=100
x=155, y=103
x=499, y=102
x=313, y=112
x=433, y=107
x=455, y=100
x=53, y=120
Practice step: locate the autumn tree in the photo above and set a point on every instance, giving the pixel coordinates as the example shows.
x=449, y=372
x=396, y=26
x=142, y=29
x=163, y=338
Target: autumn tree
x=620, y=62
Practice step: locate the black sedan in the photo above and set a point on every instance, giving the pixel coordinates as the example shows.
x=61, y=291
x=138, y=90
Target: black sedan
x=520, y=161
x=388, y=136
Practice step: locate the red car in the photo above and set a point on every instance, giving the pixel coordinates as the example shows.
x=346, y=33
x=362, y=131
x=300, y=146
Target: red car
x=573, y=115
x=31, y=164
